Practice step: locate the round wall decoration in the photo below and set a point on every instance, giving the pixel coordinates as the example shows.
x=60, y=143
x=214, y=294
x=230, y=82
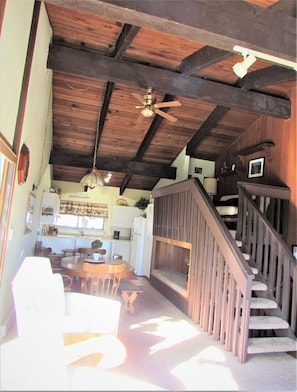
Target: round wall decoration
x=122, y=202
x=24, y=163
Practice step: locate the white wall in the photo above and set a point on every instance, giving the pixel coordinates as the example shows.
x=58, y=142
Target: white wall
x=207, y=168
x=182, y=165
x=14, y=43
x=108, y=195
x=13, y=47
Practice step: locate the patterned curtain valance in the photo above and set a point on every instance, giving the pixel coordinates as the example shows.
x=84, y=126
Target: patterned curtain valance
x=86, y=209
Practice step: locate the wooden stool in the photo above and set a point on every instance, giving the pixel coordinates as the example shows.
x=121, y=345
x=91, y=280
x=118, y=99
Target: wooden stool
x=129, y=295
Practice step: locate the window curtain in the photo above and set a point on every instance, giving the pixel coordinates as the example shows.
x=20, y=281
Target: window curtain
x=86, y=209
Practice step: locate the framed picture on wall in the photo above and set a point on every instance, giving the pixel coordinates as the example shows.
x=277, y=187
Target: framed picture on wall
x=256, y=167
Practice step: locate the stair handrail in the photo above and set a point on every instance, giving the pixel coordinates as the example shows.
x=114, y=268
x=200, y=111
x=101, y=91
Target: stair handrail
x=269, y=251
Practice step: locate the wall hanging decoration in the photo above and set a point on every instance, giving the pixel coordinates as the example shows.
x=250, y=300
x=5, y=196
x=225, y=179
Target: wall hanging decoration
x=30, y=213
x=256, y=168
x=23, y=165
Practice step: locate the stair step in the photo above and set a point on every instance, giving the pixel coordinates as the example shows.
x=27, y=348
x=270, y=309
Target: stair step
x=271, y=345
x=246, y=256
x=267, y=322
x=262, y=303
x=258, y=286
x=238, y=243
x=254, y=270
x=233, y=233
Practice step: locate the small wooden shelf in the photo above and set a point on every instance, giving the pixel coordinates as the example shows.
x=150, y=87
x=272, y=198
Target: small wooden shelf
x=257, y=147
x=231, y=172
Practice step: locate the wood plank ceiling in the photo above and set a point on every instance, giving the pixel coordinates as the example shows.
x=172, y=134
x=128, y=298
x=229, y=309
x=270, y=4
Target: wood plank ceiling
x=102, y=52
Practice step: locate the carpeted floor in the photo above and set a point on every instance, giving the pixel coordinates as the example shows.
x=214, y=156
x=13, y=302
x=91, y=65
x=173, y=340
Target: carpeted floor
x=167, y=351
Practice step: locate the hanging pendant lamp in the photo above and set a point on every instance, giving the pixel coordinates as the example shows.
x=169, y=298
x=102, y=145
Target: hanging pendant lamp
x=92, y=180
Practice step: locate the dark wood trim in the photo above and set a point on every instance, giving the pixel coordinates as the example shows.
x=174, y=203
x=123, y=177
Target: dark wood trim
x=257, y=147
x=26, y=78
x=2, y=10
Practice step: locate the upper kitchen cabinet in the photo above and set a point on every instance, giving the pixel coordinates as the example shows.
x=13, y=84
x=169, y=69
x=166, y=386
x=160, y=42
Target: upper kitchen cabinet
x=50, y=206
x=123, y=216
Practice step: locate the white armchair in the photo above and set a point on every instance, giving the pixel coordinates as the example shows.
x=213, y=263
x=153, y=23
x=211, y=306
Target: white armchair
x=39, y=355
x=39, y=293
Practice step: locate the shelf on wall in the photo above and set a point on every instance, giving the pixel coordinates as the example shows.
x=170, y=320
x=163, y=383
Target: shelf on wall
x=231, y=172
x=257, y=147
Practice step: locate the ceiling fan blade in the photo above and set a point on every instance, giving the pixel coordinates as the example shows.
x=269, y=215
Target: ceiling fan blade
x=138, y=97
x=165, y=115
x=167, y=104
x=139, y=120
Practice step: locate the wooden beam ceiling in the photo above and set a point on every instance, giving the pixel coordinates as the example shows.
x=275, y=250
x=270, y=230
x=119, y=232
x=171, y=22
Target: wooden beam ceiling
x=201, y=21
x=101, y=67
x=120, y=165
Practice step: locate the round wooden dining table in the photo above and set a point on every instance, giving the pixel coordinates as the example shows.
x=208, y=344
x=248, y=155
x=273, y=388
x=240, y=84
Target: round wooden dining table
x=75, y=266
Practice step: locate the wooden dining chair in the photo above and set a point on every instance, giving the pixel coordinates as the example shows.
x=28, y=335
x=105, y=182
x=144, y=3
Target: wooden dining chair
x=103, y=279
x=102, y=252
x=85, y=251
x=67, y=281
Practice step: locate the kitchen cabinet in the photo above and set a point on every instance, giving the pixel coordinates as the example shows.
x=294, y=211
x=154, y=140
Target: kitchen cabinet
x=123, y=216
x=50, y=206
x=122, y=248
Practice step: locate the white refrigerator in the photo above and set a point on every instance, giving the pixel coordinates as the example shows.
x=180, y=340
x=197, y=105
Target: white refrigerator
x=141, y=243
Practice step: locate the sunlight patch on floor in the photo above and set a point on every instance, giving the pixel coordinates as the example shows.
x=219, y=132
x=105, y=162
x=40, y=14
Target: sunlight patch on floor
x=206, y=371
x=172, y=331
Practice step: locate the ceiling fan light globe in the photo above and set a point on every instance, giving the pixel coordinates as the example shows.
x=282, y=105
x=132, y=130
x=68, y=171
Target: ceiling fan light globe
x=146, y=112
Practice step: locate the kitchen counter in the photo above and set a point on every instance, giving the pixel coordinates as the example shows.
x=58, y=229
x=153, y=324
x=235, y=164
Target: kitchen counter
x=86, y=237
x=71, y=241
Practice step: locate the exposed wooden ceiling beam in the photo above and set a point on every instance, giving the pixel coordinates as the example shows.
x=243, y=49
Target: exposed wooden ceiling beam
x=267, y=76
x=152, y=131
x=126, y=37
x=101, y=67
x=288, y=7
x=201, y=59
x=120, y=165
x=146, y=142
x=201, y=21
x=205, y=128
x=105, y=105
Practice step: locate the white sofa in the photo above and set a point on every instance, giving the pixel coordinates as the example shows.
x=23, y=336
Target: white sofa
x=39, y=297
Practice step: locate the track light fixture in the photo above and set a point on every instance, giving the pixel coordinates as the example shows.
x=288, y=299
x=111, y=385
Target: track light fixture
x=264, y=56
x=240, y=69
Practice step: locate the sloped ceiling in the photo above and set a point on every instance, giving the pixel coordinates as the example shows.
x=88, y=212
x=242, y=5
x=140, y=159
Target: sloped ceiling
x=104, y=51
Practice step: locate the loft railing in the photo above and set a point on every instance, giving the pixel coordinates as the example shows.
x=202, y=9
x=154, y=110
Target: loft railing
x=219, y=277
x=262, y=225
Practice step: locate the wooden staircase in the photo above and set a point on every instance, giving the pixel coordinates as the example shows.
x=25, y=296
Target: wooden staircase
x=264, y=328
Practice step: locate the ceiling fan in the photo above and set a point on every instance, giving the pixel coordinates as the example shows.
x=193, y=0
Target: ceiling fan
x=150, y=107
